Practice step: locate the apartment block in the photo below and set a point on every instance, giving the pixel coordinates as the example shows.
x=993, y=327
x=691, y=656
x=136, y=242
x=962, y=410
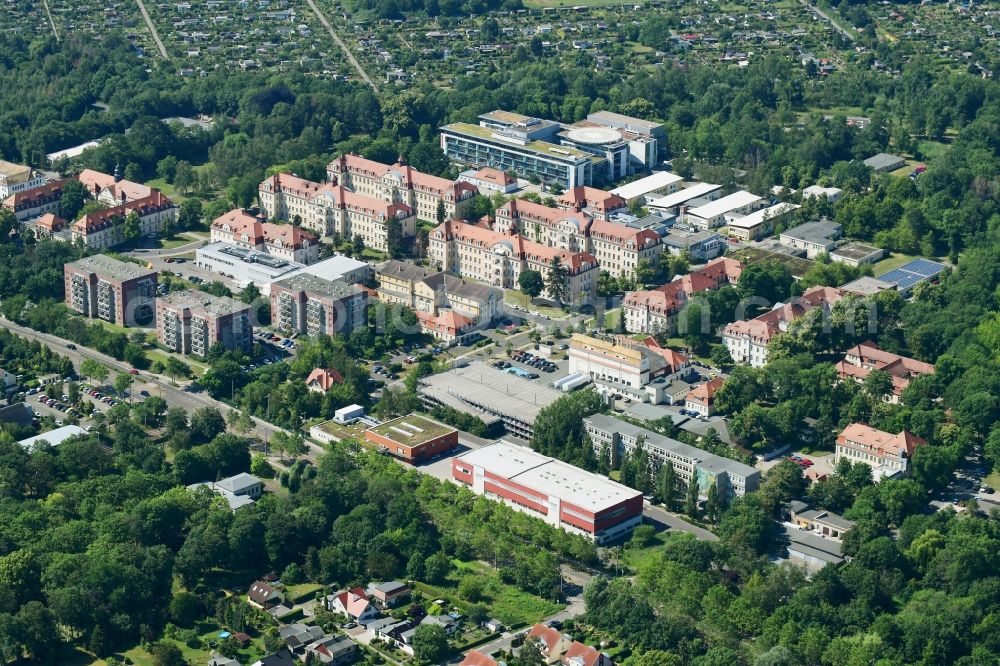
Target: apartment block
x=16, y=178
x=401, y=183
x=691, y=464
x=190, y=322
x=619, y=249
x=311, y=305
x=283, y=241
x=328, y=209
x=120, y=292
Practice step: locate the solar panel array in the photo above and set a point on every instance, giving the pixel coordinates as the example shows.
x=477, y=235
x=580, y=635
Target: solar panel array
x=911, y=273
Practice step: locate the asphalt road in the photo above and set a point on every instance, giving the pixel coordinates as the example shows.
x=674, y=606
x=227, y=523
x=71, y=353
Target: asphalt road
x=174, y=395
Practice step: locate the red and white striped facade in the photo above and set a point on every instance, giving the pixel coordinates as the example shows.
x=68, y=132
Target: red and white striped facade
x=560, y=494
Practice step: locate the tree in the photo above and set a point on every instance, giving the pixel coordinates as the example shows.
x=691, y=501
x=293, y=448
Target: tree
x=132, y=228
x=184, y=176
x=167, y=168
x=442, y=213
x=74, y=195
x=691, y=499
x=206, y=423
x=437, y=567
x=358, y=246
x=712, y=503
x=666, y=484
x=94, y=370
x=531, y=283
x=122, y=383
x=189, y=216
x=250, y=293
x=557, y=280
x=720, y=356
x=241, y=191
x=394, y=238
x=430, y=643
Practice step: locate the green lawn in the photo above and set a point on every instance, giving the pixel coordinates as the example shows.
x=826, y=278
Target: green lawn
x=302, y=592
x=510, y=605
x=207, y=633
x=375, y=255
x=515, y=297
x=640, y=558
x=894, y=260
x=176, y=241
x=162, y=356
x=167, y=189
x=992, y=479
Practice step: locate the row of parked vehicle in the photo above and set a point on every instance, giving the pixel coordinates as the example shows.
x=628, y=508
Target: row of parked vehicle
x=528, y=358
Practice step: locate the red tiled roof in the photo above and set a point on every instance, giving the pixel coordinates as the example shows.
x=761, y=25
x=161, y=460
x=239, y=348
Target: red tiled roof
x=674, y=359
x=50, y=222
x=620, y=234
x=477, y=658
x=472, y=234
x=494, y=176
x=40, y=192
x=534, y=212
x=324, y=378
x=579, y=654
x=409, y=177
x=583, y=197
x=100, y=218
x=241, y=222
x=448, y=321
x=767, y=325
x=548, y=637
x=354, y=601
x=704, y=393
x=880, y=441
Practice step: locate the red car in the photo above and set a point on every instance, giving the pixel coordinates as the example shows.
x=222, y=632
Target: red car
x=133, y=371
x=807, y=462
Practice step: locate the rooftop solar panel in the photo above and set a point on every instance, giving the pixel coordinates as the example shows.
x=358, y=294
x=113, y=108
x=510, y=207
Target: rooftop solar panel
x=924, y=267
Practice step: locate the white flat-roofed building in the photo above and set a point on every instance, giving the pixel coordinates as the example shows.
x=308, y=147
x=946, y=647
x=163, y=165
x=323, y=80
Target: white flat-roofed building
x=243, y=266
x=673, y=202
x=814, y=237
x=560, y=494
x=716, y=213
x=656, y=185
x=815, y=191
x=759, y=223
x=53, y=437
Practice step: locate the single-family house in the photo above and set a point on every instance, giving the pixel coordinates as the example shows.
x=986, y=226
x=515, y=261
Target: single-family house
x=552, y=643
x=279, y=658
x=322, y=380
x=298, y=635
x=332, y=650
x=446, y=622
x=389, y=594
x=477, y=658
x=353, y=603
x=263, y=595
x=580, y=654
